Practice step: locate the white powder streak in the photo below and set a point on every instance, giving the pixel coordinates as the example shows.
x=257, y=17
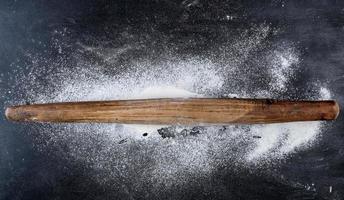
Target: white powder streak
x=325, y=93
x=283, y=65
x=164, y=92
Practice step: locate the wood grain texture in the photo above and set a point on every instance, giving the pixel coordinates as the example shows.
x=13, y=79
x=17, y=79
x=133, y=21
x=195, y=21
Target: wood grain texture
x=178, y=111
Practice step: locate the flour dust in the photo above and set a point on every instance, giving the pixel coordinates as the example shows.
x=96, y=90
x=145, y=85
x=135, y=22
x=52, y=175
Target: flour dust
x=138, y=154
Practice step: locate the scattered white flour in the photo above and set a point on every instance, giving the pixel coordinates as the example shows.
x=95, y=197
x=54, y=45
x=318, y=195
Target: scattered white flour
x=283, y=65
x=325, y=93
x=164, y=92
x=278, y=140
x=120, y=153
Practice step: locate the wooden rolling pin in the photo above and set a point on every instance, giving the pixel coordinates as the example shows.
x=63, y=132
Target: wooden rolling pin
x=186, y=111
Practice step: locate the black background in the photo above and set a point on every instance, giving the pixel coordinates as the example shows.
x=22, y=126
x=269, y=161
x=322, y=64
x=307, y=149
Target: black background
x=316, y=26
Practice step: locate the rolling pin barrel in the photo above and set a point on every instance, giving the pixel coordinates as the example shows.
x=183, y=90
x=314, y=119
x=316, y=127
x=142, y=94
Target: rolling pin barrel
x=186, y=111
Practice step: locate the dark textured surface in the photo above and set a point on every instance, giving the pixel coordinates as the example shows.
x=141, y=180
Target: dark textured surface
x=184, y=28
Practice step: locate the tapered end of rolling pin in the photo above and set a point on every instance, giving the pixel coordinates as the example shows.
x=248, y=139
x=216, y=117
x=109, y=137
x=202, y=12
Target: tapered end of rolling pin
x=336, y=109
x=10, y=114
x=19, y=113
